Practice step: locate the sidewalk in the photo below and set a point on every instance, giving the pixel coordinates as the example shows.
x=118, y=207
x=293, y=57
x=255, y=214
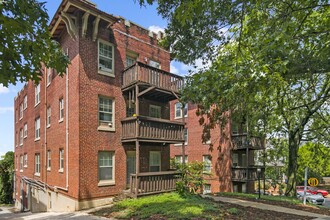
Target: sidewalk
x=266, y=207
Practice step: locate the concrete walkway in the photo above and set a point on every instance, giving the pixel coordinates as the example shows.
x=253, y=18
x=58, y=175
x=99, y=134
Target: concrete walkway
x=266, y=207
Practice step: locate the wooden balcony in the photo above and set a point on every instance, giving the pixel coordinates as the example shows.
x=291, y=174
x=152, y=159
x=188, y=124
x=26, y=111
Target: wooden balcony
x=153, y=182
x=243, y=174
x=150, y=129
x=141, y=72
x=243, y=141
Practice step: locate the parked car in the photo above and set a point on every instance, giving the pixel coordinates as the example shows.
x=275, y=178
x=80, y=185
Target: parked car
x=313, y=190
x=314, y=199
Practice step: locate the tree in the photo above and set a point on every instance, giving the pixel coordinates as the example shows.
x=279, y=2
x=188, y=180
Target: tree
x=26, y=42
x=269, y=64
x=6, y=178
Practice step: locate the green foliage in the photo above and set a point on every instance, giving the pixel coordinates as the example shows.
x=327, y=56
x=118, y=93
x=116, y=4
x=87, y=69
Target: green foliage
x=192, y=177
x=233, y=211
x=26, y=42
x=6, y=178
x=316, y=158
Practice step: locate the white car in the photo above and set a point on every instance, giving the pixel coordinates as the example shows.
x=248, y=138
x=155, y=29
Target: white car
x=314, y=199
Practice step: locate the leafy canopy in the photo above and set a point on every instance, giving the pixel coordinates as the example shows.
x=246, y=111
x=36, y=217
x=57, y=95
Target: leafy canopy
x=26, y=42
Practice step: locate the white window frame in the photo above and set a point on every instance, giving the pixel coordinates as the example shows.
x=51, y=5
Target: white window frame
x=104, y=125
x=25, y=160
x=61, y=109
x=185, y=135
x=49, y=113
x=37, y=165
x=101, y=69
x=37, y=94
x=111, y=165
x=21, y=109
x=21, y=136
x=155, y=109
x=154, y=64
x=49, y=160
x=25, y=131
x=206, y=191
x=178, y=158
x=178, y=108
x=61, y=160
x=25, y=102
x=49, y=76
x=37, y=129
x=130, y=60
x=21, y=163
x=207, y=168
x=158, y=164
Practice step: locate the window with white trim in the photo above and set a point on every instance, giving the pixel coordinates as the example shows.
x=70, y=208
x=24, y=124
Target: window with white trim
x=106, y=166
x=185, y=135
x=206, y=188
x=37, y=94
x=21, y=137
x=49, y=112
x=49, y=76
x=21, y=163
x=178, y=158
x=20, y=111
x=207, y=164
x=106, y=58
x=154, y=64
x=61, y=108
x=178, y=110
x=106, y=113
x=25, y=130
x=61, y=162
x=37, y=165
x=49, y=162
x=37, y=129
x=154, y=161
x=25, y=102
x=155, y=111
x=25, y=160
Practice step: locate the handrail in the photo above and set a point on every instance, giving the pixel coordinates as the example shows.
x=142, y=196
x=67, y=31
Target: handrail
x=146, y=118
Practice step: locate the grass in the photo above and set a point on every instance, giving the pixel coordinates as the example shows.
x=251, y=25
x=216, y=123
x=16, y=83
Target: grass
x=169, y=205
x=291, y=200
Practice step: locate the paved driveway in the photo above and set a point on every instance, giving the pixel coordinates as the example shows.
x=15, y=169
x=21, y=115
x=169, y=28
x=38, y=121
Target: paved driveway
x=6, y=213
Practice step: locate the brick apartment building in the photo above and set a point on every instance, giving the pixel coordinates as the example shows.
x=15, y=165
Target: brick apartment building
x=109, y=123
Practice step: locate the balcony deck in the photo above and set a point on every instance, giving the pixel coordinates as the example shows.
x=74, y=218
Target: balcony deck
x=150, y=129
x=243, y=141
x=141, y=72
x=153, y=182
x=244, y=174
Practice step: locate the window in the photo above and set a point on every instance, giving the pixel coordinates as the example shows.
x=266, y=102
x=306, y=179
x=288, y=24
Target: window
x=178, y=110
x=25, y=130
x=106, y=58
x=37, y=94
x=130, y=61
x=154, y=64
x=61, y=160
x=25, y=160
x=207, y=164
x=206, y=188
x=21, y=137
x=25, y=102
x=16, y=138
x=154, y=161
x=185, y=135
x=21, y=163
x=48, y=116
x=37, y=165
x=37, y=129
x=20, y=111
x=106, y=113
x=155, y=111
x=49, y=76
x=61, y=104
x=49, y=160
x=178, y=159
x=106, y=168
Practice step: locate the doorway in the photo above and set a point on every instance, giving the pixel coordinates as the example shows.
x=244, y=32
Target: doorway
x=130, y=165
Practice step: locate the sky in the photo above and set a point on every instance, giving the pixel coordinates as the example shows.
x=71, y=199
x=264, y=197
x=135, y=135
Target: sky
x=129, y=9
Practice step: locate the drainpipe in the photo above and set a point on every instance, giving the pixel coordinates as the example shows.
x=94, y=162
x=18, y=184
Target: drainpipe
x=45, y=141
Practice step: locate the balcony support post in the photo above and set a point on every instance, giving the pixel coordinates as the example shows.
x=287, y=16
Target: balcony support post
x=137, y=166
x=183, y=143
x=137, y=111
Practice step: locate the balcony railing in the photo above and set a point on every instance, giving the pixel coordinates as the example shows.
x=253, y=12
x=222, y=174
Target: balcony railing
x=243, y=141
x=153, y=182
x=148, y=128
x=246, y=174
x=159, y=78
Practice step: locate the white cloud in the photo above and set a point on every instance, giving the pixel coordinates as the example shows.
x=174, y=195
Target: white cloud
x=173, y=69
x=4, y=110
x=3, y=90
x=156, y=28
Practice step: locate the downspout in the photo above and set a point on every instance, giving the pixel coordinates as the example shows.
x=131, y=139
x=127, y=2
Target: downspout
x=45, y=142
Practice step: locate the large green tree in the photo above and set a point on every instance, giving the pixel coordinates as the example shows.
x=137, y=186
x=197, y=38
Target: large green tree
x=6, y=177
x=26, y=42
x=269, y=64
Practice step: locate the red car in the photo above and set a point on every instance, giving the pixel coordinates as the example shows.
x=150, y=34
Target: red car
x=313, y=190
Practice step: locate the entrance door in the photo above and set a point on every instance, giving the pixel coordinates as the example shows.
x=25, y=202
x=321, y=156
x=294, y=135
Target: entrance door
x=130, y=164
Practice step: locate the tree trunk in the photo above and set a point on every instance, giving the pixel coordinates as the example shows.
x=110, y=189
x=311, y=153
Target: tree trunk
x=292, y=165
